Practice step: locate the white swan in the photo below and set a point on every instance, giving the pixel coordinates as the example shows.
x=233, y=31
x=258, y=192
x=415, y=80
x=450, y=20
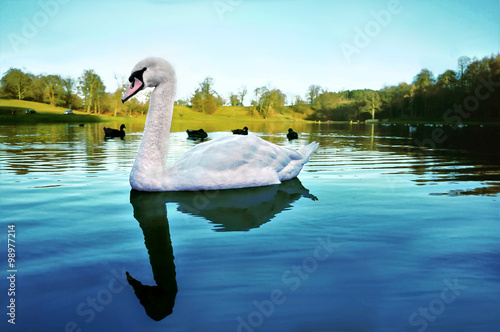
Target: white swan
x=229, y=162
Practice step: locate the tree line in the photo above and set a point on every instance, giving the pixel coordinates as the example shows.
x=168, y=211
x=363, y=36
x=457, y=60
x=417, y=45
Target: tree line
x=426, y=98
x=205, y=99
x=87, y=92
x=469, y=92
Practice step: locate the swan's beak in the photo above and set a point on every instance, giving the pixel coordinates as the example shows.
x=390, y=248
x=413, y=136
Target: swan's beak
x=135, y=87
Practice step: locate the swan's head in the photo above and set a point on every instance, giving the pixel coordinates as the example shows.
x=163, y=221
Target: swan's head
x=148, y=73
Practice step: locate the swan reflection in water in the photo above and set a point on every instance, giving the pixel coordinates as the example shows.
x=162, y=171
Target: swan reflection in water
x=229, y=210
x=152, y=217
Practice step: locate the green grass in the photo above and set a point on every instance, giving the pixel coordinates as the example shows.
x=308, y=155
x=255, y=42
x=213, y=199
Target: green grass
x=44, y=113
x=49, y=114
x=234, y=113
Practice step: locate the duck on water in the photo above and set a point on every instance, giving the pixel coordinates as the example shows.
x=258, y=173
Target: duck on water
x=196, y=134
x=110, y=132
x=243, y=131
x=292, y=134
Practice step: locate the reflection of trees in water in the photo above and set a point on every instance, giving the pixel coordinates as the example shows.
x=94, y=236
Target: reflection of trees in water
x=230, y=210
x=467, y=154
x=460, y=154
x=54, y=148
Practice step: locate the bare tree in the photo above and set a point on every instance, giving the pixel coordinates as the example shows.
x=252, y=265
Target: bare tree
x=312, y=93
x=242, y=93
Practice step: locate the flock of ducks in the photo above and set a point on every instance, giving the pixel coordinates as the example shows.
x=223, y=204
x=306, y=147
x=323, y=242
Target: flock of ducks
x=202, y=134
x=192, y=133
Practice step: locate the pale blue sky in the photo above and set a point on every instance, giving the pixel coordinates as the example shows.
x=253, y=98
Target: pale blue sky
x=287, y=44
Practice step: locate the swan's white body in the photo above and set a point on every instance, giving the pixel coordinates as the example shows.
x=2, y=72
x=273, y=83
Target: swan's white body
x=229, y=162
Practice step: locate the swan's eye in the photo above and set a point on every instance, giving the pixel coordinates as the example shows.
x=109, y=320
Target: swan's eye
x=137, y=74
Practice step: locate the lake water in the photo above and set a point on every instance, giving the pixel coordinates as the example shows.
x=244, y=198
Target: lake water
x=387, y=228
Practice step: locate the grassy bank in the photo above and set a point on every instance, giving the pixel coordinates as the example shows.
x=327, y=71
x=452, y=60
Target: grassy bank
x=234, y=113
x=44, y=113
x=49, y=114
x=183, y=115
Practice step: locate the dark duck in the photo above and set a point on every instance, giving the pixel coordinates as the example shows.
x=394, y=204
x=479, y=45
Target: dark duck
x=196, y=134
x=243, y=131
x=110, y=132
x=292, y=134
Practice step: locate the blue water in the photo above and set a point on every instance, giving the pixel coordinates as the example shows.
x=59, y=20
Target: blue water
x=376, y=234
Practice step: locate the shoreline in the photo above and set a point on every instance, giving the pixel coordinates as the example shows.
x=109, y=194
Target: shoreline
x=46, y=114
x=50, y=114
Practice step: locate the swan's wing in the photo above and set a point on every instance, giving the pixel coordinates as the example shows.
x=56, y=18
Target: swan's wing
x=234, y=161
x=237, y=151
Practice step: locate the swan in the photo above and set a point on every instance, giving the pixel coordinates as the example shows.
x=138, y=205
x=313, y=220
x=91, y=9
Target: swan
x=225, y=163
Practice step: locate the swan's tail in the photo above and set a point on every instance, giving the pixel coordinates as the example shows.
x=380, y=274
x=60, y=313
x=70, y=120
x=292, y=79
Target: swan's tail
x=307, y=150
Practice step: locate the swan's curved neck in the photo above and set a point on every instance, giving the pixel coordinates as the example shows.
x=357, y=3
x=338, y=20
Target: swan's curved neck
x=153, y=149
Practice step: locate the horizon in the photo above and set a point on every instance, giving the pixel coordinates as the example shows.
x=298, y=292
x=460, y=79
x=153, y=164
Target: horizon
x=287, y=45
